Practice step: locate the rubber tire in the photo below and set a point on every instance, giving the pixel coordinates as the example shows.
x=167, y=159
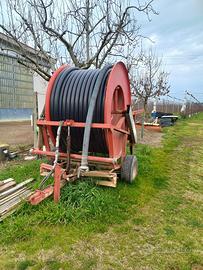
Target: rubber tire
x=129, y=169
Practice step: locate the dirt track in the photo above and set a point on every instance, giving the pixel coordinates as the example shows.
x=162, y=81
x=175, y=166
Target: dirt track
x=152, y=138
x=16, y=133
x=21, y=133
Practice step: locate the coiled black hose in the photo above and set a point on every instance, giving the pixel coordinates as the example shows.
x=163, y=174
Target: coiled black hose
x=70, y=99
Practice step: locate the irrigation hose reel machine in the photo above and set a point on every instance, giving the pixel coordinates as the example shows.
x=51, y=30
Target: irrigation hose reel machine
x=87, y=123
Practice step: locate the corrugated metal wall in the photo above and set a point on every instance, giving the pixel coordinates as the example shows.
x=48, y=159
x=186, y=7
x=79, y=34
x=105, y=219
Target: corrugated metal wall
x=16, y=84
x=16, y=89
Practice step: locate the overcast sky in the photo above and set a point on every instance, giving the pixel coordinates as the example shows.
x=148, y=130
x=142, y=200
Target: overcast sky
x=177, y=33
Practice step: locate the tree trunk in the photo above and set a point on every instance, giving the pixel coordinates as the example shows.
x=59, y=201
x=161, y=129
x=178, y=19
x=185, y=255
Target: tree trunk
x=143, y=119
x=142, y=128
x=87, y=23
x=145, y=106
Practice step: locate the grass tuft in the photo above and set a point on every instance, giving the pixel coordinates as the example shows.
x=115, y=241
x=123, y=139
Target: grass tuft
x=23, y=265
x=152, y=215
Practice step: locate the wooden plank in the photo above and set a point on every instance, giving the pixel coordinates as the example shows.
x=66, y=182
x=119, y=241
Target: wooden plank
x=11, y=196
x=105, y=174
x=7, y=186
x=8, y=214
x=111, y=183
x=14, y=202
x=11, y=210
x=40, y=141
x=6, y=181
x=10, y=191
x=95, y=173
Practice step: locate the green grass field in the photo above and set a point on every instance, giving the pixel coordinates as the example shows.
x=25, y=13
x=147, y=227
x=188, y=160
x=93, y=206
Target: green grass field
x=155, y=223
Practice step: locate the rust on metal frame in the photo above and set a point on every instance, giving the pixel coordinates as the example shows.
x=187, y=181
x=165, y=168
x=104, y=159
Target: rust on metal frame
x=41, y=195
x=76, y=156
x=58, y=172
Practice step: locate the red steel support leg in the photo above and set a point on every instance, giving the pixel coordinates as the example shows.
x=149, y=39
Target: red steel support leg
x=57, y=181
x=40, y=195
x=111, y=143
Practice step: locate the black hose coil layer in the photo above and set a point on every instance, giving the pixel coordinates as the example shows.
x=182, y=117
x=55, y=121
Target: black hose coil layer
x=70, y=99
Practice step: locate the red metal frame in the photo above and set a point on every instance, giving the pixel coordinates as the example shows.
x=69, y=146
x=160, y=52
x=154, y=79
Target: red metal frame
x=47, y=100
x=72, y=123
x=104, y=160
x=58, y=172
x=112, y=162
x=40, y=195
x=112, y=128
x=117, y=99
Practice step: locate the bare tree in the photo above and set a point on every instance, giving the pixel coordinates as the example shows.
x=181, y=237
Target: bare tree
x=80, y=32
x=148, y=80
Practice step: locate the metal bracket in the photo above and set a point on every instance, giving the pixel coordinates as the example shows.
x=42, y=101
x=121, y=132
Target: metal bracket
x=131, y=124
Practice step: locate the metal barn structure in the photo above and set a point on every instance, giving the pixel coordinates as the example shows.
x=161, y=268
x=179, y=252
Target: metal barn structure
x=16, y=81
x=16, y=89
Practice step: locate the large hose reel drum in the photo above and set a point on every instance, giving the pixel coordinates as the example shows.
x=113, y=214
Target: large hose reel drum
x=69, y=96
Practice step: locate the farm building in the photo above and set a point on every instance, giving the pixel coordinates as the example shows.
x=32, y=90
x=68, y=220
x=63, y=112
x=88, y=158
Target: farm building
x=17, y=82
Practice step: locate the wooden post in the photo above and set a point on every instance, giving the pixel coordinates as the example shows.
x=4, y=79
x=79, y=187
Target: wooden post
x=35, y=118
x=142, y=128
